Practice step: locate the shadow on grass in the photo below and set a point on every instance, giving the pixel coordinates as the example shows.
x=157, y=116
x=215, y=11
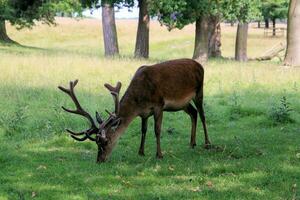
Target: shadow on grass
x=252, y=160
x=95, y=53
x=56, y=172
x=27, y=50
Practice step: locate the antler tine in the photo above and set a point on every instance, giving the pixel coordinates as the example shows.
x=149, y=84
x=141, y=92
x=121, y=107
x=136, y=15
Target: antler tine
x=87, y=135
x=116, y=100
x=115, y=93
x=74, y=133
x=86, y=132
x=114, y=89
x=111, y=116
x=74, y=83
x=98, y=117
x=79, y=110
x=83, y=139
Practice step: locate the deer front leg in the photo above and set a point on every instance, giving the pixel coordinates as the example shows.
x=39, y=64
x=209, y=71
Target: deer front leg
x=144, y=131
x=158, y=115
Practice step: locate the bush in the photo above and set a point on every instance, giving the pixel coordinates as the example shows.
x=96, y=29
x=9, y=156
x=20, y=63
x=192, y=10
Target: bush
x=13, y=123
x=235, y=106
x=281, y=113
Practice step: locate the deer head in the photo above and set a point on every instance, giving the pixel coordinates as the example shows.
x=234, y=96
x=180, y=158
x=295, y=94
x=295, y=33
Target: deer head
x=100, y=131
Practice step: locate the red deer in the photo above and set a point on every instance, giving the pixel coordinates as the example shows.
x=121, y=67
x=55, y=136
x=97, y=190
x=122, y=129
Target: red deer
x=167, y=86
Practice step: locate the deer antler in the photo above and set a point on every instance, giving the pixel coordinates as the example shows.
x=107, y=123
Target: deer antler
x=80, y=111
x=115, y=93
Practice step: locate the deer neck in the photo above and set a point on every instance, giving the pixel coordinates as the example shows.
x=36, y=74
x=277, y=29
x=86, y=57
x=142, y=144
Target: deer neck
x=127, y=113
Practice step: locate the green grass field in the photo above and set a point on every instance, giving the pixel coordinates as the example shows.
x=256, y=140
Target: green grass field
x=258, y=138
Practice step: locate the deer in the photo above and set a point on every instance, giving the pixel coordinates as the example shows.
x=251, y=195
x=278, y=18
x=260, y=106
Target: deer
x=168, y=86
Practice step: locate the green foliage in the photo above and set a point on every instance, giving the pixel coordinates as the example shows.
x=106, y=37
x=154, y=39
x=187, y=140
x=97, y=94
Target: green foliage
x=97, y=3
x=241, y=10
x=170, y=13
x=235, y=106
x=177, y=14
x=24, y=13
x=274, y=9
x=69, y=7
x=13, y=123
x=281, y=113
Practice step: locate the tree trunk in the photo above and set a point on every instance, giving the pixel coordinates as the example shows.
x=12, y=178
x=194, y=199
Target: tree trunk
x=109, y=30
x=292, y=56
x=3, y=34
x=241, y=42
x=142, y=36
x=215, y=38
x=258, y=24
x=274, y=26
x=201, y=40
x=266, y=23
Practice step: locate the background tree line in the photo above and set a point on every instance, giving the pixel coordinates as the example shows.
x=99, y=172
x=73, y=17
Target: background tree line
x=205, y=14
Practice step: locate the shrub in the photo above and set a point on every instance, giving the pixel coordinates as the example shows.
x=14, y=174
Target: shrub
x=13, y=123
x=281, y=113
x=235, y=106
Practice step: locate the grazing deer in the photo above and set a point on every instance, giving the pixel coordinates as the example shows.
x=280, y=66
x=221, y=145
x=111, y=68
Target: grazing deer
x=167, y=86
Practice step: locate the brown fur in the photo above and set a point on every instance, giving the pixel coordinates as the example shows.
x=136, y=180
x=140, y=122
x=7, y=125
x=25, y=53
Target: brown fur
x=167, y=86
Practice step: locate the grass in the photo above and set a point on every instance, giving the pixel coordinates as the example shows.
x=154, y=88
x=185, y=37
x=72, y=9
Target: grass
x=257, y=157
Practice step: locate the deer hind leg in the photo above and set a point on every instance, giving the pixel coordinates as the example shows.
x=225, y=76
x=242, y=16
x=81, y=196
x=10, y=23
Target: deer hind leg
x=158, y=115
x=199, y=105
x=192, y=112
x=144, y=131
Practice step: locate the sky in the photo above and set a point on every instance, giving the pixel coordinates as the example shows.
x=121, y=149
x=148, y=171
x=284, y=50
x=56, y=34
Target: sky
x=122, y=13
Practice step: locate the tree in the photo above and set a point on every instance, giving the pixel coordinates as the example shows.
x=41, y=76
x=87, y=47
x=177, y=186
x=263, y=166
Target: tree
x=110, y=37
x=241, y=42
x=214, y=48
x=292, y=56
x=177, y=14
x=242, y=11
x=142, y=36
x=3, y=33
x=109, y=29
x=272, y=10
x=24, y=13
